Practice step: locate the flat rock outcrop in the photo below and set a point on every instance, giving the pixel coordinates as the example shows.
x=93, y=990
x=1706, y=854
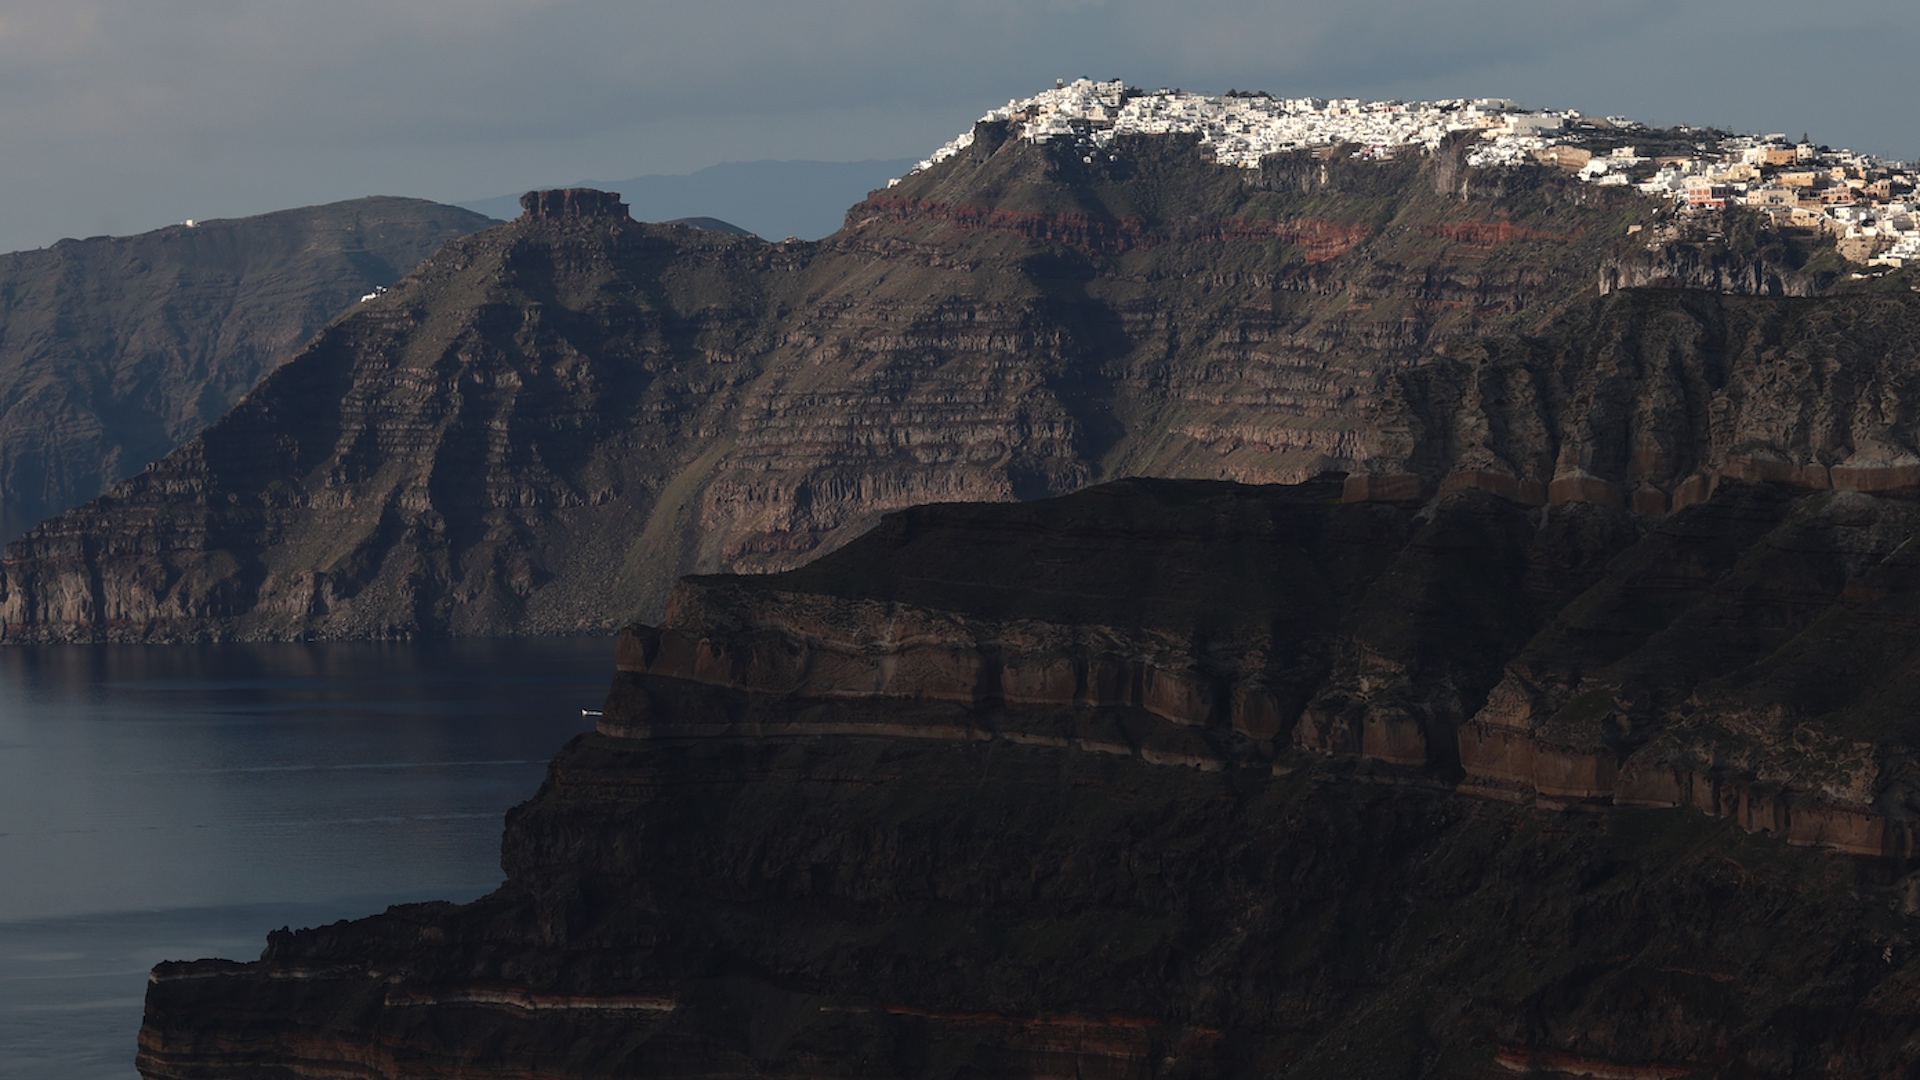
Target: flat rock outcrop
x=560, y=203
x=1179, y=778
x=116, y=349
x=550, y=422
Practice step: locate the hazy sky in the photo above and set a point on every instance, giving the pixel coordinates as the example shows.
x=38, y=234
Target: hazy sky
x=118, y=116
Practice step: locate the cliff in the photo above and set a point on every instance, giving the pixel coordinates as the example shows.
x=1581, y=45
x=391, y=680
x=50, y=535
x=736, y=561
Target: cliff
x=549, y=422
x=115, y=350
x=1190, y=779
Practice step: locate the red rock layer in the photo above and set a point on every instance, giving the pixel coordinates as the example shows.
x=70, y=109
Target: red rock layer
x=1318, y=241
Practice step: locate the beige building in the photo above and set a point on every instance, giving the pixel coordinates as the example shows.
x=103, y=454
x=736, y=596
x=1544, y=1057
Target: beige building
x=1570, y=158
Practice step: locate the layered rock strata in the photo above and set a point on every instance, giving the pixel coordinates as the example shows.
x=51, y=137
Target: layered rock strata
x=550, y=422
x=116, y=349
x=1560, y=655
x=1177, y=779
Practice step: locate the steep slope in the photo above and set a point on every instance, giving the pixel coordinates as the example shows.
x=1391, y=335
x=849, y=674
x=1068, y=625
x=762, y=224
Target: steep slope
x=550, y=421
x=115, y=350
x=1189, y=779
x=445, y=454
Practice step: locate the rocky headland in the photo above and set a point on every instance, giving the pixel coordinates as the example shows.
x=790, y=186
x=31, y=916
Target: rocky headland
x=549, y=422
x=116, y=349
x=1187, y=778
x=1508, y=673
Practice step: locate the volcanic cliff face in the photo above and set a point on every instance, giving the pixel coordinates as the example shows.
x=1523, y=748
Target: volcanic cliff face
x=550, y=421
x=1191, y=779
x=115, y=350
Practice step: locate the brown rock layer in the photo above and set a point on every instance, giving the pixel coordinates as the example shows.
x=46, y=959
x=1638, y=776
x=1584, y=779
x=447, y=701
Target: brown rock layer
x=1509, y=664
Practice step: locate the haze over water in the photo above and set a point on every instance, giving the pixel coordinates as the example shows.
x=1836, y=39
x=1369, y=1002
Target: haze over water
x=178, y=802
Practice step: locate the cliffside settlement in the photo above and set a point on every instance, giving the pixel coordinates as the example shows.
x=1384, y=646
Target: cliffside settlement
x=1868, y=204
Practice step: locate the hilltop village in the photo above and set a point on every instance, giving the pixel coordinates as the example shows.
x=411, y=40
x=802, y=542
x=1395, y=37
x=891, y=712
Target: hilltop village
x=1868, y=205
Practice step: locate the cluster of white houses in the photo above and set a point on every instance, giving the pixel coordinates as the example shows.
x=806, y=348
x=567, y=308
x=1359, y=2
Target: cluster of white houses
x=1241, y=129
x=1871, y=205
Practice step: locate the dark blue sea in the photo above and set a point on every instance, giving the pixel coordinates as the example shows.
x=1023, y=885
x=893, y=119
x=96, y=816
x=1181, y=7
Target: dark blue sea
x=171, y=803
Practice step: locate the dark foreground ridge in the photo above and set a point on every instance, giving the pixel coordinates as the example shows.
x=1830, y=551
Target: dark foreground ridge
x=1172, y=779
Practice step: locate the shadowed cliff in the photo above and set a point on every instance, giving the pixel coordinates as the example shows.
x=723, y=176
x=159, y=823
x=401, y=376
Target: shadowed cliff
x=115, y=350
x=550, y=421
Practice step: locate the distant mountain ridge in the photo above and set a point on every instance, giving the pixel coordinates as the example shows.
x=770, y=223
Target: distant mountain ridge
x=772, y=199
x=115, y=349
x=710, y=224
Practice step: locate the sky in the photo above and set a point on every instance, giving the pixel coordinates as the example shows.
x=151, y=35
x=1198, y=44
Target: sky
x=118, y=116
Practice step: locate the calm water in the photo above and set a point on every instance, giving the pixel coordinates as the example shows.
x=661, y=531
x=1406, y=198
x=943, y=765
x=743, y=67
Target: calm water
x=180, y=802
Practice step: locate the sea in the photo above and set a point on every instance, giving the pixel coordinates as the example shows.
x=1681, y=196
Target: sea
x=178, y=802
